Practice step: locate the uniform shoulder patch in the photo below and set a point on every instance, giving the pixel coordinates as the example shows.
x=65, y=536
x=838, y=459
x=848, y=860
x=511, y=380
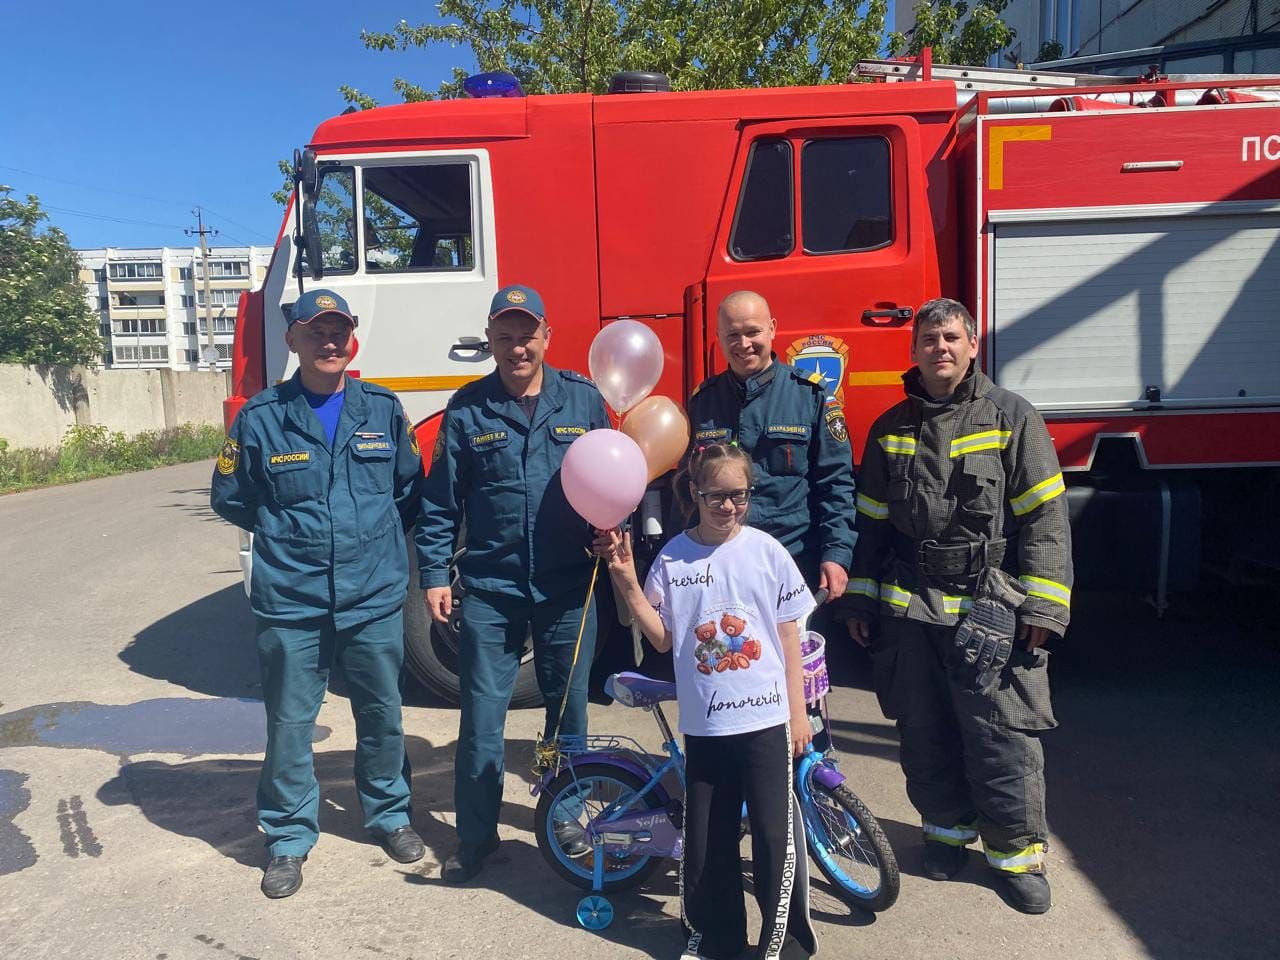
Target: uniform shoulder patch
x=413, y=436
x=577, y=377
x=228, y=457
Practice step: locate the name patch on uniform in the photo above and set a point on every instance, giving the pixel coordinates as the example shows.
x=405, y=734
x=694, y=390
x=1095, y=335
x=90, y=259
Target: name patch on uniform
x=228, y=457
x=568, y=431
x=482, y=440
x=787, y=430
x=297, y=456
x=364, y=446
x=719, y=433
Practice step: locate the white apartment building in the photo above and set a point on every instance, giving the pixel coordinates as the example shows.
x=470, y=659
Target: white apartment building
x=151, y=305
x=1126, y=37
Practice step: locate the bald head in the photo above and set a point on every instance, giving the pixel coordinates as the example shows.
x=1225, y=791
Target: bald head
x=741, y=302
x=745, y=328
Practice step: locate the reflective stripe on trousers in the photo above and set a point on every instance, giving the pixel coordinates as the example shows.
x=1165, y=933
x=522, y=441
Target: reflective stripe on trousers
x=959, y=836
x=1030, y=859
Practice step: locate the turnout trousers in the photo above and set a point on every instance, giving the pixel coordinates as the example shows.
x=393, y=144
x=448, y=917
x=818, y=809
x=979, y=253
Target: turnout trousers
x=721, y=772
x=494, y=630
x=295, y=659
x=973, y=762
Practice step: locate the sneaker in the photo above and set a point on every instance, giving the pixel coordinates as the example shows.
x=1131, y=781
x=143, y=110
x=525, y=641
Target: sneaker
x=283, y=877
x=1027, y=892
x=465, y=863
x=572, y=838
x=942, y=861
x=403, y=845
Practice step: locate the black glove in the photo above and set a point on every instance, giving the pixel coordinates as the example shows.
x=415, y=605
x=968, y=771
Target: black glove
x=985, y=640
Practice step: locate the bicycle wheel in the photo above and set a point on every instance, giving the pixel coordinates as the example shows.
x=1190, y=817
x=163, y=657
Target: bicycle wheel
x=576, y=796
x=849, y=847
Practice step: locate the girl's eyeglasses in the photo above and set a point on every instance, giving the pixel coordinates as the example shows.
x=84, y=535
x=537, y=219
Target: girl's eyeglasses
x=738, y=498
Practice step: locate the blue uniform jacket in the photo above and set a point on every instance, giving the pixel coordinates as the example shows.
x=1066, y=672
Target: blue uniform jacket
x=328, y=524
x=799, y=446
x=502, y=473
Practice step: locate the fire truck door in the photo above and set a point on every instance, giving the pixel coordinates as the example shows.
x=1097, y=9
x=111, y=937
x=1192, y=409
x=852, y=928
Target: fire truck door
x=830, y=224
x=418, y=272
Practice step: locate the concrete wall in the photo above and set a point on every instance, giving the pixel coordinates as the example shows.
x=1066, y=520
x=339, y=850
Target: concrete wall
x=38, y=404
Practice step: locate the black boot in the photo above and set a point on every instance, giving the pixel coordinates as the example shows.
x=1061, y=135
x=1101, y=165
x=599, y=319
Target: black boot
x=283, y=877
x=1027, y=892
x=466, y=863
x=403, y=845
x=942, y=861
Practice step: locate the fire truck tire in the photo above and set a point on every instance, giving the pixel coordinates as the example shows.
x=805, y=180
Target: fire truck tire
x=431, y=649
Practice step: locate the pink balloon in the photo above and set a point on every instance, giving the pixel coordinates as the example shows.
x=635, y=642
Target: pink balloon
x=604, y=475
x=626, y=363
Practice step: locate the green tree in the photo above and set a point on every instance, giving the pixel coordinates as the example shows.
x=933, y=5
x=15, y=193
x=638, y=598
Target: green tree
x=44, y=317
x=576, y=46
x=976, y=39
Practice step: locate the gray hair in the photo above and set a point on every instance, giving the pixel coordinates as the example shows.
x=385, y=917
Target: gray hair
x=937, y=312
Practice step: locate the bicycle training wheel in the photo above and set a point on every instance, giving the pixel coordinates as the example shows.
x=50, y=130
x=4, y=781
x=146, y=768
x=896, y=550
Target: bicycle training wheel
x=568, y=803
x=849, y=847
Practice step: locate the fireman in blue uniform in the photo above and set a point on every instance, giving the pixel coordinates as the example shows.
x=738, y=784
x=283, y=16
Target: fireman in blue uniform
x=325, y=471
x=527, y=566
x=794, y=430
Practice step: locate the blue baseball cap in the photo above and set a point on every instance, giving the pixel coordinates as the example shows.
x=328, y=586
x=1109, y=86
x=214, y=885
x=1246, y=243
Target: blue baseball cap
x=316, y=303
x=519, y=298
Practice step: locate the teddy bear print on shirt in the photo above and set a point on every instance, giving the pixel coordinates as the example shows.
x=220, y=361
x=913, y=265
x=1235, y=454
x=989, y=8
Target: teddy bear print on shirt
x=715, y=654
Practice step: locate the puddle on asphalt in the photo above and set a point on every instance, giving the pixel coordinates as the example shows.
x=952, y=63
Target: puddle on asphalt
x=16, y=850
x=180, y=725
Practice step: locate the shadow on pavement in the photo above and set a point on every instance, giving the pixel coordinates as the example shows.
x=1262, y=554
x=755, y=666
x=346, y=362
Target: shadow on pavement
x=207, y=646
x=1164, y=775
x=213, y=800
x=200, y=509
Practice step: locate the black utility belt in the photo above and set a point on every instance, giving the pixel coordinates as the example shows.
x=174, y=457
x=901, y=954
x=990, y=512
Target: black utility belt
x=939, y=558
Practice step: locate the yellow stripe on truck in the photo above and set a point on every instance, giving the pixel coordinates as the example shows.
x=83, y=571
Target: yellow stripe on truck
x=420, y=384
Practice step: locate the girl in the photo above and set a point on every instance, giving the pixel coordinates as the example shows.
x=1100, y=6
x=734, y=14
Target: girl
x=728, y=597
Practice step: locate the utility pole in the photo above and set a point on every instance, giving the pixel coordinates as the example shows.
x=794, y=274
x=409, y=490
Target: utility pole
x=210, y=352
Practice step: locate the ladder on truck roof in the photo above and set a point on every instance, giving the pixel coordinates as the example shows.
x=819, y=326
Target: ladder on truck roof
x=975, y=78
x=1006, y=78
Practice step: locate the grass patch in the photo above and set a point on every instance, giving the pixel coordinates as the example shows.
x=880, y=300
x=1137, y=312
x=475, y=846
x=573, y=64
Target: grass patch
x=94, y=451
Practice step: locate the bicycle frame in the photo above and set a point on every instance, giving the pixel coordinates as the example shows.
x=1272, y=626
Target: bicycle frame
x=620, y=827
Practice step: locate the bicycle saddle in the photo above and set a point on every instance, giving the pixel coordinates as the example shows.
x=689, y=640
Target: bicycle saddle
x=637, y=690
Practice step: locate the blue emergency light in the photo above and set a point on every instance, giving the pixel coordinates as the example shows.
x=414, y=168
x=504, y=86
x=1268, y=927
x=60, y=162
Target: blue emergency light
x=496, y=84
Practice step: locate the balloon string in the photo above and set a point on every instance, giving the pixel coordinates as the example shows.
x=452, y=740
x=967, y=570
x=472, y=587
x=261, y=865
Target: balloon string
x=546, y=752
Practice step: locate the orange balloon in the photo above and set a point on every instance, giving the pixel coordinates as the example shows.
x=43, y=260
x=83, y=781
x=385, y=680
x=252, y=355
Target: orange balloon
x=661, y=430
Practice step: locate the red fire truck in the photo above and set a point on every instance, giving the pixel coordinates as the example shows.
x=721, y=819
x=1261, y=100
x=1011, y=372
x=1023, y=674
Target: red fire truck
x=1119, y=245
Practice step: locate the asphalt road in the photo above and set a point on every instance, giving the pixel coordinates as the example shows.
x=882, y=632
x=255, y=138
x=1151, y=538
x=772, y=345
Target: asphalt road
x=130, y=740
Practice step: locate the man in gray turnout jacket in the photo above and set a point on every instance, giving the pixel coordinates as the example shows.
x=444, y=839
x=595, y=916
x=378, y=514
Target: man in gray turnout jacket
x=963, y=558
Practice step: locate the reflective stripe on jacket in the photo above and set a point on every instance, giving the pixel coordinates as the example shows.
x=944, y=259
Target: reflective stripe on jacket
x=979, y=465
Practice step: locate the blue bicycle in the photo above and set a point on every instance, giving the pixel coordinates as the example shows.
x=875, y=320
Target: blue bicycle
x=609, y=812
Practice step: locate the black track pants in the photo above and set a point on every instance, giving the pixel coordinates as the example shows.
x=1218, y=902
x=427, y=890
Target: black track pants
x=722, y=772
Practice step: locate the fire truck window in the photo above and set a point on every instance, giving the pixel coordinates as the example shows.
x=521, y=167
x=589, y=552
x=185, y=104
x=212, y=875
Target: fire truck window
x=848, y=195
x=762, y=225
x=418, y=218
x=335, y=215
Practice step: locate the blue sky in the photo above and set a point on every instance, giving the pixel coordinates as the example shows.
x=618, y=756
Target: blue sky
x=154, y=100
x=137, y=110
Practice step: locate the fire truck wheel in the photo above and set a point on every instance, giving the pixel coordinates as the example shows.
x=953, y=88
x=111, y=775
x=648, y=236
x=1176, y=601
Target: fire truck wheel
x=431, y=649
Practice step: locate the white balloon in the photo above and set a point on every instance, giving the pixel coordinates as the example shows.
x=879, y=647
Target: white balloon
x=626, y=363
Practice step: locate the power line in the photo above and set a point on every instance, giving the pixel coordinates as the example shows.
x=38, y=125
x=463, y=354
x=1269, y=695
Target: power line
x=136, y=196
x=89, y=186
x=100, y=216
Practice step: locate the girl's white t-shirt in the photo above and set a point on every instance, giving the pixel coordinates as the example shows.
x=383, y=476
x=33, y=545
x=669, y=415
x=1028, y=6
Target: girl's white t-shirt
x=723, y=605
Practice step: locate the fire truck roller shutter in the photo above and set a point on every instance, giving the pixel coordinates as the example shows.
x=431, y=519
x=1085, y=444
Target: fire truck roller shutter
x=1119, y=312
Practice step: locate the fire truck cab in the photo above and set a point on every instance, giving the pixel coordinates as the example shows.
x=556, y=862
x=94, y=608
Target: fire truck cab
x=1118, y=245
